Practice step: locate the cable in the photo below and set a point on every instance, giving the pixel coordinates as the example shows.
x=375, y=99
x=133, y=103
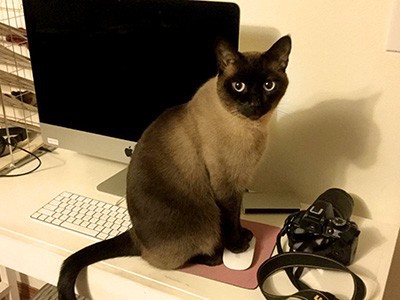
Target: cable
x=120, y=201
x=28, y=172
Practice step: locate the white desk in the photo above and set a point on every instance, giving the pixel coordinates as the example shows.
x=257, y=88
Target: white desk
x=36, y=249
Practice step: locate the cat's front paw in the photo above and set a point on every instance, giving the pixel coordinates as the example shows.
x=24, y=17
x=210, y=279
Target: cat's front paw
x=239, y=242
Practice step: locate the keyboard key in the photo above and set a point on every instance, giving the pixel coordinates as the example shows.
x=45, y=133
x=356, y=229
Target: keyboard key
x=102, y=236
x=101, y=222
x=35, y=215
x=92, y=226
x=66, y=194
x=84, y=224
x=77, y=222
x=56, y=222
x=99, y=228
x=45, y=211
x=115, y=226
x=114, y=233
x=107, y=230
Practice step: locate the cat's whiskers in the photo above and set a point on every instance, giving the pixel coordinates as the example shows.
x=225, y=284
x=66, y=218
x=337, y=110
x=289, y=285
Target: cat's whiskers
x=281, y=110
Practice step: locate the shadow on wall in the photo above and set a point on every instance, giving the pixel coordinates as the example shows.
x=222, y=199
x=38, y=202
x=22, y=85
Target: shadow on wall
x=310, y=150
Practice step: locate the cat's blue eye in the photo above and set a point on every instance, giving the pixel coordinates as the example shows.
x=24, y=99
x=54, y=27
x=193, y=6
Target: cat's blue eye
x=269, y=85
x=239, y=86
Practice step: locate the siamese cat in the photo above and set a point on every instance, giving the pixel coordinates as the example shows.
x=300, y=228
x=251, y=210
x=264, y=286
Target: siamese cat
x=191, y=166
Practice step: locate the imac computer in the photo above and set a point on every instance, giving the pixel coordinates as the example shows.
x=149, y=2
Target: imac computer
x=105, y=69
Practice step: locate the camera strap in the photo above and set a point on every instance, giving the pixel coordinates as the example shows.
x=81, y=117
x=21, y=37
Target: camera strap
x=291, y=260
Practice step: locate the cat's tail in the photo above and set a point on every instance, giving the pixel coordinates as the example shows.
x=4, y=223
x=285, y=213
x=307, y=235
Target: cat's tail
x=121, y=245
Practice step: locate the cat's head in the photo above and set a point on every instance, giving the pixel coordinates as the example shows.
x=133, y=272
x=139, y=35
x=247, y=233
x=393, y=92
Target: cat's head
x=252, y=83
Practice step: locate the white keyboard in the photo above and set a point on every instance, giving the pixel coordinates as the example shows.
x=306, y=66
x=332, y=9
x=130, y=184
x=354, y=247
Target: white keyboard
x=85, y=215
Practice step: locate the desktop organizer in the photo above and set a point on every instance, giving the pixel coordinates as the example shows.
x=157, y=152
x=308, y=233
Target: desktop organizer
x=17, y=93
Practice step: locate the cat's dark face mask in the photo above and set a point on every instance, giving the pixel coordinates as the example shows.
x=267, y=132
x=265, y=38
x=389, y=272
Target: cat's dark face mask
x=251, y=84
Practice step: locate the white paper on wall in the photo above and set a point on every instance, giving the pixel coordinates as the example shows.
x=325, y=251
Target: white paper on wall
x=393, y=42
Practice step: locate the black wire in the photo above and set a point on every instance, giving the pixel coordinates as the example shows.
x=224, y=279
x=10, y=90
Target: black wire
x=28, y=172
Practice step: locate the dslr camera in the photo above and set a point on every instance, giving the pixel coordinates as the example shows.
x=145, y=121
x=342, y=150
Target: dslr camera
x=325, y=227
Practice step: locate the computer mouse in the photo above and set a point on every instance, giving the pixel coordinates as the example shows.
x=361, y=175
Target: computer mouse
x=239, y=261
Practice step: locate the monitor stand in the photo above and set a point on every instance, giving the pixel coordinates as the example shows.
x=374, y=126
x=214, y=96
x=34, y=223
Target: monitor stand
x=269, y=202
x=115, y=185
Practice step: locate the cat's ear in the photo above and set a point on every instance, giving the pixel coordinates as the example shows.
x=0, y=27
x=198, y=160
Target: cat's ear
x=226, y=54
x=280, y=51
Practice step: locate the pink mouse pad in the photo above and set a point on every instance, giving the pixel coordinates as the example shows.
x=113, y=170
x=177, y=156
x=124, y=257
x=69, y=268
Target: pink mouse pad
x=265, y=241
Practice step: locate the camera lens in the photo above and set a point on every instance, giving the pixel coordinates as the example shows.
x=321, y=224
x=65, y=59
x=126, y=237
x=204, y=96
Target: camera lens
x=341, y=201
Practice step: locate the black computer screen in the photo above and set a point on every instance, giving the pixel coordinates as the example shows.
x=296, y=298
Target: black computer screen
x=112, y=66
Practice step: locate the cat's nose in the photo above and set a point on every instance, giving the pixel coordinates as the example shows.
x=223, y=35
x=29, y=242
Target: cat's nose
x=255, y=103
